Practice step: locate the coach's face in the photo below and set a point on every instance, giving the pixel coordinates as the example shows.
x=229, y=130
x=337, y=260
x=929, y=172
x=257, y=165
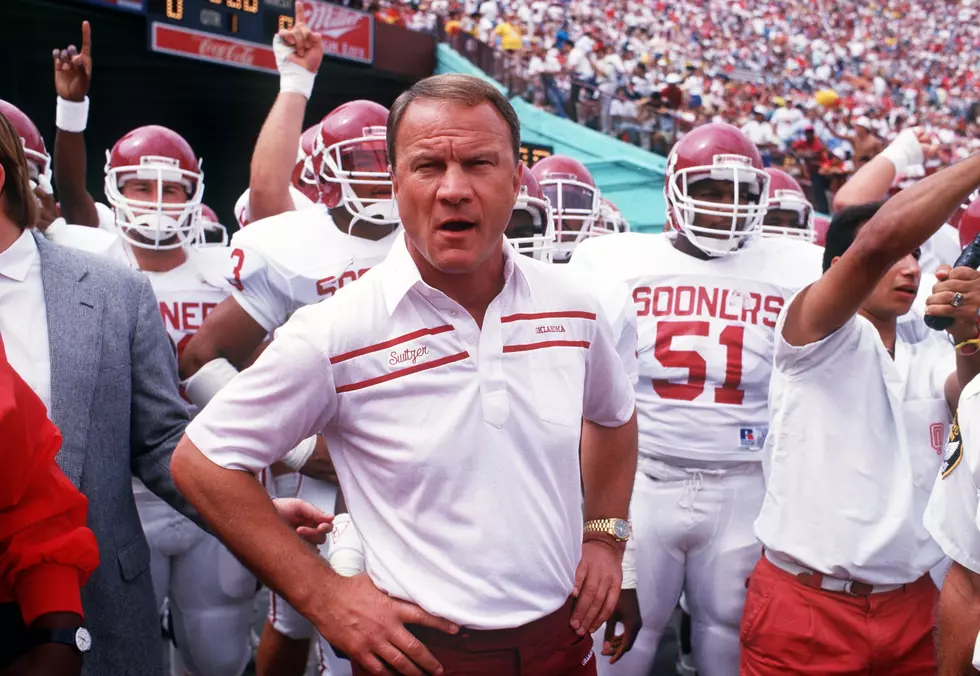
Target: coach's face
x=456, y=181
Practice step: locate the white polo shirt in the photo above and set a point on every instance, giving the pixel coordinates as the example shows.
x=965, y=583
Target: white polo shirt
x=951, y=516
x=457, y=448
x=855, y=442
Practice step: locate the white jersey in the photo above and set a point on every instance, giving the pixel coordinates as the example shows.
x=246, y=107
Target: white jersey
x=297, y=258
x=242, y=215
x=86, y=238
x=951, y=516
x=704, y=338
x=188, y=293
x=616, y=303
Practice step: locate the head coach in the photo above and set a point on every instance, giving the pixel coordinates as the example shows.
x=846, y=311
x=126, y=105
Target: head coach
x=454, y=384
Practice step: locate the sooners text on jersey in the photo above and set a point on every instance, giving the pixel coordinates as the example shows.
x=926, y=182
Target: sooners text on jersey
x=705, y=332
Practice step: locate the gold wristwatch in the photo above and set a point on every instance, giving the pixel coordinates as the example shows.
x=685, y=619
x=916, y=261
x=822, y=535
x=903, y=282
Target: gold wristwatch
x=618, y=528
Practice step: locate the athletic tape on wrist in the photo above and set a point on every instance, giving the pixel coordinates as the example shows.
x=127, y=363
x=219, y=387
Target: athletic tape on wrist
x=72, y=116
x=629, y=567
x=293, y=77
x=905, y=151
x=298, y=456
x=201, y=387
x=346, y=555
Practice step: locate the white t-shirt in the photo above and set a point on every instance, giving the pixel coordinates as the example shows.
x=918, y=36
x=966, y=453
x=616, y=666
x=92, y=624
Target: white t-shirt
x=942, y=247
x=951, y=516
x=760, y=133
x=854, y=444
x=457, y=447
x=297, y=258
x=704, y=338
x=786, y=121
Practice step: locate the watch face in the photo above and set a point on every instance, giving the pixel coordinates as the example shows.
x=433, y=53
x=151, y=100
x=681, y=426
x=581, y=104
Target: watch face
x=621, y=529
x=83, y=640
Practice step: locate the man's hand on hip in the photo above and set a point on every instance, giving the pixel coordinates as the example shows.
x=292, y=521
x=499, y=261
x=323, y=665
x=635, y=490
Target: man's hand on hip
x=369, y=627
x=597, y=583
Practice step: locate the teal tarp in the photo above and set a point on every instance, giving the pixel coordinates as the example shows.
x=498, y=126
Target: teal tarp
x=630, y=177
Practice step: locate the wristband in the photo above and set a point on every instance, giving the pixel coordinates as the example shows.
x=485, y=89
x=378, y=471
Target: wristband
x=72, y=116
x=293, y=77
x=904, y=151
x=629, y=567
x=298, y=456
x=204, y=385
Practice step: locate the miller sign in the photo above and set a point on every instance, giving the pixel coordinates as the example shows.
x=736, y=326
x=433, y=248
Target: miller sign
x=347, y=34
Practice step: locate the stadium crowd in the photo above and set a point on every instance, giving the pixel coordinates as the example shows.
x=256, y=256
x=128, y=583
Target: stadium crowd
x=857, y=73
x=456, y=417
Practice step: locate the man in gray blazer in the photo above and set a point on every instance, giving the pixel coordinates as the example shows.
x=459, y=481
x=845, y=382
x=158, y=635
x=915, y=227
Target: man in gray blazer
x=87, y=336
x=114, y=397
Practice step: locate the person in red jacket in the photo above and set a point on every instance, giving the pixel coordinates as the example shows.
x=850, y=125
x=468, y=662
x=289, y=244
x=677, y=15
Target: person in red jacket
x=46, y=552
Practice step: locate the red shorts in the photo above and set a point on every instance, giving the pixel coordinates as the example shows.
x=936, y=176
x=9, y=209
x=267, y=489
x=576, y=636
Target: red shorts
x=545, y=647
x=790, y=628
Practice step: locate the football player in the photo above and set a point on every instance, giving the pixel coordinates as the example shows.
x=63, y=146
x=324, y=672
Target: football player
x=706, y=294
x=790, y=213
x=532, y=226
x=54, y=226
x=575, y=201
x=611, y=219
x=154, y=182
x=212, y=232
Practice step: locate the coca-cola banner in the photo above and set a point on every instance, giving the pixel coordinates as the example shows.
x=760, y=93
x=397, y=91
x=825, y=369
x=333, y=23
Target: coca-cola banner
x=194, y=44
x=347, y=33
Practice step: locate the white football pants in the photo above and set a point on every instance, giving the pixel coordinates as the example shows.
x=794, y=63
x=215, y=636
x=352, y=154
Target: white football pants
x=210, y=592
x=693, y=531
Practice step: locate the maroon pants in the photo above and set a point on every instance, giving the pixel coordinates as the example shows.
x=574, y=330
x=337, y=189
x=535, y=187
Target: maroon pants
x=545, y=647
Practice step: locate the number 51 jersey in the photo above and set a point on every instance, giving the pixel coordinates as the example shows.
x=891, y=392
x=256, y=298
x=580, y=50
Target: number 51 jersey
x=705, y=331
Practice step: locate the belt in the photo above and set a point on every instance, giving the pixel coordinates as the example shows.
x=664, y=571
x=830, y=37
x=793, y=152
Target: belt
x=811, y=578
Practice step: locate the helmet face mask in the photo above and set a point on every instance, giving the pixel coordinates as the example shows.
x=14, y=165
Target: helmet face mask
x=735, y=221
x=611, y=220
x=350, y=161
x=790, y=214
x=211, y=232
x=160, y=158
x=716, y=190
x=575, y=201
x=531, y=230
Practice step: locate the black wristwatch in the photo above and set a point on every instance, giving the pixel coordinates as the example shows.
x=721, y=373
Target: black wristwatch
x=78, y=638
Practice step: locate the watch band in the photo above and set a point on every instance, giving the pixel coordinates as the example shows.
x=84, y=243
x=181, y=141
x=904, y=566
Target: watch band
x=618, y=528
x=76, y=638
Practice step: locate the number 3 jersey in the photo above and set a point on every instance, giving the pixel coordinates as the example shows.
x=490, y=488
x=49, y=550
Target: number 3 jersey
x=297, y=258
x=705, y=332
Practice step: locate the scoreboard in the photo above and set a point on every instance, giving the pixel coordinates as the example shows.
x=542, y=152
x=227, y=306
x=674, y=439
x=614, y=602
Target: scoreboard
x=531, y=153
x=239, y=32
x=255, y=21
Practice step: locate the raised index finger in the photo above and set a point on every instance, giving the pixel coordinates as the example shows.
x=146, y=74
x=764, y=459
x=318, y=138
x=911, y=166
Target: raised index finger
x=86, y=39
x=300, y=19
